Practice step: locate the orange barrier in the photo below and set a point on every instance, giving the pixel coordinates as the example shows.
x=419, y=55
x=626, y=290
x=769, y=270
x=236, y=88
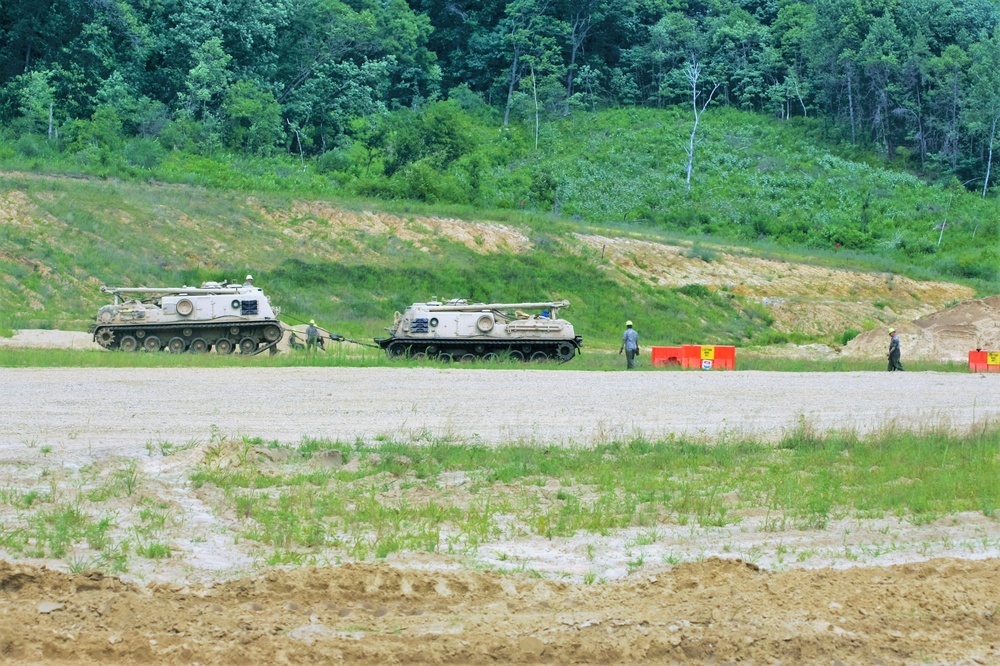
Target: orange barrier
x=709, y=357
x=984, y=361
x=696, y=357
x=667, y=356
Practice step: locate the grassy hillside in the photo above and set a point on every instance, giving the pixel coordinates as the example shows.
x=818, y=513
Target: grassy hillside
x=774, y=188
x=756, y=179
x=61, y=238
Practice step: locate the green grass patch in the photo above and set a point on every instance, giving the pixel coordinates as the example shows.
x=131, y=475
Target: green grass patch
x=440, y=495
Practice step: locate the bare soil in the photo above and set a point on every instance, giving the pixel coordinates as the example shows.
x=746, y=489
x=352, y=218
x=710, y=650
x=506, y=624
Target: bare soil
x=717, y=611
x=947, y=335
x=876, y=602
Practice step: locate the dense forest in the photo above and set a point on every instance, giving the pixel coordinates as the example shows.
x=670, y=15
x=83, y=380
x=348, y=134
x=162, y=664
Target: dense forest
x=449, y=100
x=918, y=78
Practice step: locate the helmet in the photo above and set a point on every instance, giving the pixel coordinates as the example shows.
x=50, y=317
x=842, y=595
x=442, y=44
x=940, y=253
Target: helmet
x=312, y=321
x=249, y=278
x=628, y=323
x=892, y=330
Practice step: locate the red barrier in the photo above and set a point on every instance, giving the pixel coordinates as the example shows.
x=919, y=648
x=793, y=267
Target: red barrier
x=984, y=361
x=700, y=357
x=663, y=356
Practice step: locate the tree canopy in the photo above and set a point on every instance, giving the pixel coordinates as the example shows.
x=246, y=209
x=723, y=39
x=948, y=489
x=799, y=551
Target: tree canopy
x=914, y=79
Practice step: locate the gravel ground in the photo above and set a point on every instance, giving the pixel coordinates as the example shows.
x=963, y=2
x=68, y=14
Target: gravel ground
x=111, y=410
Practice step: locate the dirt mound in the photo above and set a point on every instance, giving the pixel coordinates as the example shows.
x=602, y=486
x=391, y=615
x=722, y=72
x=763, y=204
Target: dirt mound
x=947, y=335
x=375, y=614
x=802, y=297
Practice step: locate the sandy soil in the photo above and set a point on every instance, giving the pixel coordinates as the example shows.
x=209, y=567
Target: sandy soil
x=809, y=299
x=945, y=335
x=940, y=611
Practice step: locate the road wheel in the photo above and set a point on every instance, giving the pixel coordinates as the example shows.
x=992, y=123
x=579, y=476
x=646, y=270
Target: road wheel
x=129, y=344
x=223, y=346
x=176, y=345
x=151, y=344
x=248, y=346
x=491, y=357
x=199, y=346
x=272, y=333
x=516, y=355
x=396, y=350
x=540, y=357
x=445, y=357
x=468, y=358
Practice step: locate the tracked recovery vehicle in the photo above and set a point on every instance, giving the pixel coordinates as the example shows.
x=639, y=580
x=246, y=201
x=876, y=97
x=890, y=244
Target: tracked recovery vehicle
x=462, y=331
x=220, y=317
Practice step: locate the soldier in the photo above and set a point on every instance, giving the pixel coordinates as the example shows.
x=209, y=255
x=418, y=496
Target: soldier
x=248, y=282
x=630, y=345
x=312, y=336
x=894, y=363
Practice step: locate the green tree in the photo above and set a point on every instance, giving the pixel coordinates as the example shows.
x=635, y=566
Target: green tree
x=251, y=118
x=35, y=97
x=208, y=80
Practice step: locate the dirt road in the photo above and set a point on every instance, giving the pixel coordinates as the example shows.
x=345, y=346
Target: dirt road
x=114, y=410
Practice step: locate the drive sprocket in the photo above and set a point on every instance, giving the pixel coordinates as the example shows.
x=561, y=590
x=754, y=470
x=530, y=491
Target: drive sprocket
x=105, y=337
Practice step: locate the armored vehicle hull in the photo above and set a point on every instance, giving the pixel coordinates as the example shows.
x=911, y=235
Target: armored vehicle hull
x=463, y=331
x=223, y=318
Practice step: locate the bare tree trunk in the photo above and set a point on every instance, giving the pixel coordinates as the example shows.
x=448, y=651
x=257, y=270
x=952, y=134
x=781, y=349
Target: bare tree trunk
x=954, y=121
x=302, y=159
x=850, y=101
x=510, y=88
x=581, y=27
x=50, y=121
x=795, y=80
x=693, y=72
x=534, y=90
x=989, y=162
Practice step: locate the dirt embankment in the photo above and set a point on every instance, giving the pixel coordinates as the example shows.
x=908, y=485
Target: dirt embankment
x=946, y=335
x=941, y=610
x=809, y=299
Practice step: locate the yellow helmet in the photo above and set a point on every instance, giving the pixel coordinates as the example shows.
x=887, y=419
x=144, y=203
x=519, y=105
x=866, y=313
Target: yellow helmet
x=892, y=330
x=312, y=321
x=628, y=323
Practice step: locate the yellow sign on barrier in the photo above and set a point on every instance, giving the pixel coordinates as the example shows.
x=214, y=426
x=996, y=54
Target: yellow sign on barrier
x=707, y=353
x=992, y=358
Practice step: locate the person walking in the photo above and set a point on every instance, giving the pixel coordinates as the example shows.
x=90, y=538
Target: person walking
x=894, y=363
x=630, y=345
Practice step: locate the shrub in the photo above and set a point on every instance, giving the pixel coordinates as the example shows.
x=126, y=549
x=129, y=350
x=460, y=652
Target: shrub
x=144, y=153
x=32, y=145
x=694, y=291
x=698, y=251
x=848, y=335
